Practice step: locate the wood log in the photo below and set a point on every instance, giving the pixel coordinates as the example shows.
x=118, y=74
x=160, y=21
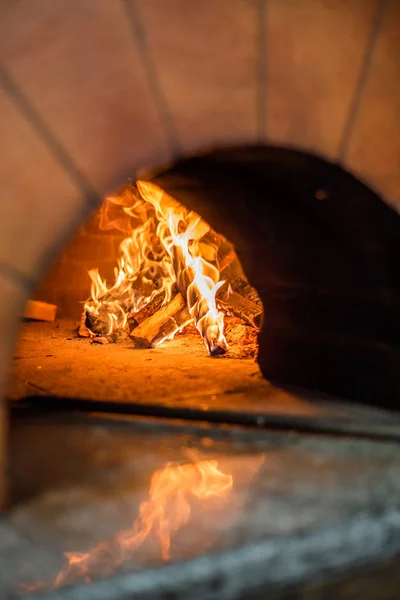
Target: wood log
x=149, y=309
x=232, y=273
x=241, y=338
x=239, y=306
x=95, y=324
x=40, y=311
x=237, y=296
x=241, y=334
x=243, y=287
x=229, y=266
x=227, y=260
x=162, y=324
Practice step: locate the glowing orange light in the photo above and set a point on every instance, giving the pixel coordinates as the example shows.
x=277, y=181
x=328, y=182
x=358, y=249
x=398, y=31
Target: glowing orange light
x=166, y=510
x=167, y=245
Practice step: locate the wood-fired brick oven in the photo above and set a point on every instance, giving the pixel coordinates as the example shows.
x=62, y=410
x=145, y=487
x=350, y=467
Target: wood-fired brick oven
x=91, y=92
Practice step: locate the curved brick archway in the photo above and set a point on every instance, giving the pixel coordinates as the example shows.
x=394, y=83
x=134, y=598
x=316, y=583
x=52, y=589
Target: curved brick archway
x=93, y=89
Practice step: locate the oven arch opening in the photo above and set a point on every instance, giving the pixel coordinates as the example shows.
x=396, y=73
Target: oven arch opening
x=319, y=247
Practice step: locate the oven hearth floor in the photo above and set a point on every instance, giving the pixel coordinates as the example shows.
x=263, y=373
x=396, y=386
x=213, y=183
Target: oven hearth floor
x=51, y=359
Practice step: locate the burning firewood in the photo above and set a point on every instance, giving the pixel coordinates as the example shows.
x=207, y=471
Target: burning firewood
x=243, y=287
x=173, y=270
x=95, y=324
x=155, y=304
x=227, y=260
x=162, y=324
x=242, y=338
x=237, y=296
x=239, y=306
x=230, y=268
x=206, y=319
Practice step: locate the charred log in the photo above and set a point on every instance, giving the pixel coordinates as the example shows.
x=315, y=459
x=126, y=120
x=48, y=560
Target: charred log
x=230, y=268
x=243, y=287
x=95, y=324
x=239, y=306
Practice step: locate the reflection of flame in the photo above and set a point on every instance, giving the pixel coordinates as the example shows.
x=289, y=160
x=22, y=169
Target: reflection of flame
x=165, y=511
x=168, y=507
x=167, y=244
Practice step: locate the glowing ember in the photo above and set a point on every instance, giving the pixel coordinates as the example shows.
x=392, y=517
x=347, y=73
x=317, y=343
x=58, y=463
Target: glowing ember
x=165, y=511
x=168, y=245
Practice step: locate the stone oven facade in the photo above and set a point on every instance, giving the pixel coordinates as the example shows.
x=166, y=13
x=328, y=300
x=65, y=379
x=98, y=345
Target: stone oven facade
x=94, y=92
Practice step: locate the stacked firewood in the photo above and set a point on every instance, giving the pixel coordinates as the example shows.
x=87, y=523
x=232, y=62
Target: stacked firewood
x=159, y=320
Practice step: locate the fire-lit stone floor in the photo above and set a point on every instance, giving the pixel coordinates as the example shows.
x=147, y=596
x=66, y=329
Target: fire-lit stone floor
x=300, y=508
x=51, y=359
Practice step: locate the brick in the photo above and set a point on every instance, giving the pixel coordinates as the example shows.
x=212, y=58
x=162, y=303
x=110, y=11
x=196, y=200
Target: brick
x=205, y=56
x=374, y=149
x=66, y=275
x=116, y=242
x=81, y=68
x=69, y=302
x=314, y=54
x=91, y=225
x=38, y=202
x=89, y=248
x=43, y=294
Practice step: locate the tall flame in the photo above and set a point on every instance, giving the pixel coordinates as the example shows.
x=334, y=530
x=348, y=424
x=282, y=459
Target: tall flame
x=181, y=233
x=167, y=245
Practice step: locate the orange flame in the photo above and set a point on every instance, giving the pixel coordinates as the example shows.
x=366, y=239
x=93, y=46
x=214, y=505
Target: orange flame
x=168, y=507
x=164, y=513
x=144, y=268
x=168, y=244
